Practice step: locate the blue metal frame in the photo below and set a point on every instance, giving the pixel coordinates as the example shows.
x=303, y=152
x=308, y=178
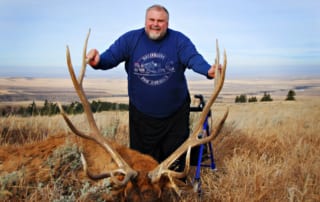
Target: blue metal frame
x=205, y=132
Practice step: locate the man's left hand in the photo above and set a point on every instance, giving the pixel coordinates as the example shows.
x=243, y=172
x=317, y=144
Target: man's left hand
x=212, y=70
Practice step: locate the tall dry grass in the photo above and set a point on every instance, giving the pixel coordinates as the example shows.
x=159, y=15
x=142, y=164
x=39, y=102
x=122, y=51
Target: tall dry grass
x=265, y=152
x=20, y=130
x=268, y=152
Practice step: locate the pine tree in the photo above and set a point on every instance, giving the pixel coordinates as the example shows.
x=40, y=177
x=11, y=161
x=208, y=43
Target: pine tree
x=290, y=95
x=266, y=97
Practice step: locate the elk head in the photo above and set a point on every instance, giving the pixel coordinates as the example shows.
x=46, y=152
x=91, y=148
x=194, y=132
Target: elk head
x=136, y=176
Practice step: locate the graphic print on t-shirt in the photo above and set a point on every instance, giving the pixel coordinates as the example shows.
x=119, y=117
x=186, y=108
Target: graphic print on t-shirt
x=154, y=69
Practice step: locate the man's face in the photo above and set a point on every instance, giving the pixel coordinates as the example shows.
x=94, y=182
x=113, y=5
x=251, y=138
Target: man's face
x=156, y=24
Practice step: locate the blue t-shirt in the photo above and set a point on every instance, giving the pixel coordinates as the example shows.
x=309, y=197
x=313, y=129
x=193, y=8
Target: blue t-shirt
x=156, y=82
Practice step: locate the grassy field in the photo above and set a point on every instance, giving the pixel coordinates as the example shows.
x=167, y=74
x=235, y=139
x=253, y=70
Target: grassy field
x=266, y=151
x=23, y=90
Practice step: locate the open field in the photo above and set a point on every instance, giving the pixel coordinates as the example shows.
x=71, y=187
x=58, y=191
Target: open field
x=20, y=90
x=265, y=152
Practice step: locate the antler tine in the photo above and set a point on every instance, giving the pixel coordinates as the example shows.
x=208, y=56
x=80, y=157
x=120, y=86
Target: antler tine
x=79, y=89
x=217, y=63
x=113, y=174
x=218, y=84
x=95, y=134
x=193, y=139
x=128, y=173
x=84, y=59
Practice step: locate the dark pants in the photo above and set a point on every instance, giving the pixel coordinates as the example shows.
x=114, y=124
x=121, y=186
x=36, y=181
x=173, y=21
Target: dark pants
x=159, y=137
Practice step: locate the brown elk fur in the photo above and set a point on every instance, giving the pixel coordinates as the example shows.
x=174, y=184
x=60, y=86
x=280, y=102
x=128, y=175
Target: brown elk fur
x=138, y=189
x=31, y=158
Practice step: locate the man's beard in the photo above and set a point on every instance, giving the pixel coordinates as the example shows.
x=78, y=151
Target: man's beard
x=156, y=36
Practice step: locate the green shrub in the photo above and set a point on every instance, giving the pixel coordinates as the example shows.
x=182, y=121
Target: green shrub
x=266, y=97
x=252, y=99
x=241, y=99
x=290, y=95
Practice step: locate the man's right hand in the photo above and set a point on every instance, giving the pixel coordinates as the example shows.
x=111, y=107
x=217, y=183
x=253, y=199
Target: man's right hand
x=93, y=57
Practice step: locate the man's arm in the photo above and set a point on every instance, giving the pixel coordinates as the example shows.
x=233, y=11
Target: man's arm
x=191, y=58
x=114, y=55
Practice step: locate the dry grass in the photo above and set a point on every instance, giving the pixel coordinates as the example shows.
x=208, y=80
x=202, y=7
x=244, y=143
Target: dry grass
x=269, y=152
x=265, y=152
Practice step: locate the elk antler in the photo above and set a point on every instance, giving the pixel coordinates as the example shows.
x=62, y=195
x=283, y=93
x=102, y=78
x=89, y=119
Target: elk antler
x=95, y=134
x=194, y=139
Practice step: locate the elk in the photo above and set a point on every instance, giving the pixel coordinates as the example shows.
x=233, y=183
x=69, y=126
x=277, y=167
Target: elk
x=135, y=176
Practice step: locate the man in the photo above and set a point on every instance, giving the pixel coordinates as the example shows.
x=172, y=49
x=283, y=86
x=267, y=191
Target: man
x=155, y=60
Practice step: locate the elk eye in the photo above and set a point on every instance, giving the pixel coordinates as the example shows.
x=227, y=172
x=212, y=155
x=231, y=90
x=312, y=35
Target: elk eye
x=135, y=179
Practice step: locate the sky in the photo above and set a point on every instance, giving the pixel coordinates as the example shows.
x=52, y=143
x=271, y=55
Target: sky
x=274, y=37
